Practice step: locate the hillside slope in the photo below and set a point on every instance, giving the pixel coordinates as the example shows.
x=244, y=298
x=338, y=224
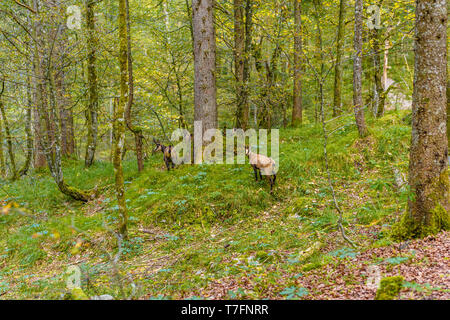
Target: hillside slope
x=212, y=232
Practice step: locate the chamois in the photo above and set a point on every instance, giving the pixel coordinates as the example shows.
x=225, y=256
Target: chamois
x=167, y=152
x=260, y=163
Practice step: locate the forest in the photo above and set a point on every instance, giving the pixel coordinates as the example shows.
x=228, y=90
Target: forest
x=224, y=150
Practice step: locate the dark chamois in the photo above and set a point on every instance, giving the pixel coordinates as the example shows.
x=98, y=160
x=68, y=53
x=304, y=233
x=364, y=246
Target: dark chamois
x=167, y=152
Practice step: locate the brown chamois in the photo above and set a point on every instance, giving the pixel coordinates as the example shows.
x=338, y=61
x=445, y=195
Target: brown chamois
x=167, y=152
x=260, y=163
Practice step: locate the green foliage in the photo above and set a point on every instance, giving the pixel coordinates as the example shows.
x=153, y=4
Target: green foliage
x=389, y=288
x=291, y=293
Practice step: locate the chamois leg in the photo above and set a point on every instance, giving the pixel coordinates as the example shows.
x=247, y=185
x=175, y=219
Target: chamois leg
x=167, y=164
x=274, y=178
x=256, y=172
x=260, y=175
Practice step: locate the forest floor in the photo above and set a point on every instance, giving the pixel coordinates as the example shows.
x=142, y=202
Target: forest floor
x=212, y=232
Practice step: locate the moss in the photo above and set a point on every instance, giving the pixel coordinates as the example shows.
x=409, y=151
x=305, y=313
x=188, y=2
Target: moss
x=78, y=294
x=389, y=288
x=264, y=257
x=408, y=227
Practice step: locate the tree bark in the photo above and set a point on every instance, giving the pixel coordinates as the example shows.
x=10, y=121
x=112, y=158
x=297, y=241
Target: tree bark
x=9, y=144
x=239, y=45
x=429, y=207
x=297, y=108
x=357, y=71
x=92, y=110
x=26, y=166
x=337, y=98
x=137, y=132
x=205, y=105
x=119, y=121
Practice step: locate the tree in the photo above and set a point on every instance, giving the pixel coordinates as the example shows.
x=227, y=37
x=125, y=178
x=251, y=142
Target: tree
x=12, y=160
x=239, y=57
x=119, y=121
x=205, y=105
x=137, y=132
x=47, y=111
x=378, y=90
x=357, y=71
x=91, y=112
x=429, y=205
x=337, y=103
x=297, y=94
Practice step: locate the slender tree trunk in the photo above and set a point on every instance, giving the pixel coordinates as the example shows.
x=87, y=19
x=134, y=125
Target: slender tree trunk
x=2, y=157
x=119, y=121
x=247, y=50
x=204, y=64
x=448, y=104
x=91, y=112
x=239, y=45
x=378, y=100
x=138, y=136
x=9, y=144
x=39, y=96
x=297, y=108
x=428, y=210
x=26, y=166
x=357, y=71
x=337, y=99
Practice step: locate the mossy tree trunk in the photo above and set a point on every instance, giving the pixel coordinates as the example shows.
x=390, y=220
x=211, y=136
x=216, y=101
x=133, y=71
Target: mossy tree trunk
x=429, y=205
x=337, y=97
x=39, y=94
x=29, y=148
x=9, y=144
x=2, y=157
x=92, y=110
x=119, y=120
x=137, y=131
x=378, y=91
x=357, y=71
x=297, y=108
x=239, y=45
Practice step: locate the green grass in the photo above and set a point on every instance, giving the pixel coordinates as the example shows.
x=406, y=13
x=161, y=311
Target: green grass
x=204, y=223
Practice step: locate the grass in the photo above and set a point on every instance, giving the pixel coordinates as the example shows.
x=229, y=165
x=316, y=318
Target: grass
x=201, y=225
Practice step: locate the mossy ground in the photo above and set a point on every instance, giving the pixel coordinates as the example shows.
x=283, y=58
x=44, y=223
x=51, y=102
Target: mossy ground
x=198, y=225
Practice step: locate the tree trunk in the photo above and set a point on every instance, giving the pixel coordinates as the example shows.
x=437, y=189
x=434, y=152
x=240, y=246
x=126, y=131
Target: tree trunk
x=429, y=207
x=12, y=160
x=378, y=99
x=2, y=157
x=119, y=121
x=138, y=136
x=239, y=45
x=247, y=50
x=297, y=108
x=205, y=105
x=26, y=166
x=91, y=112
x=357, y=71
x=337, y=102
